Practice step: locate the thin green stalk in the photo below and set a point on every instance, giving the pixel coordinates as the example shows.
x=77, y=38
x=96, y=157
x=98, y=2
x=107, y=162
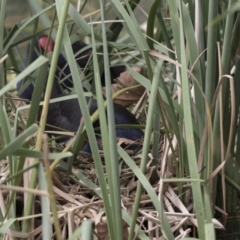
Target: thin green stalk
x=235, y=36
x=116, y=27
x=188, y=127
x=165, y=34
x=2, y=18
x=150, y=23
x=52, y=198
x=51, y=76
x=113, y=174
x=7, y=137
x=134, y=32
x=89, y=128
x=209, y=226
x=40, y=83
x=43, y=17
x=211, y=53
x=226, y=53
x=47, y=96
x=147, y=138
x=156, y=136
x=226, y=63
x=233, y=184
x=105, y=136
x=200, y=37
x=80, y=11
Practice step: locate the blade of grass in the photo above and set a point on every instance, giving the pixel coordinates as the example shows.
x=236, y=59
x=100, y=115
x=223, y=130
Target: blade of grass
x=191, y=150
x=52, y=199
x=89, y=127
x=46, y=221
x=148, y=131
x=2, y=21
x=116, y=27
x=209, y=226
x=7, y=138
x=47, y=96
x=43, y=17
x=34, y=108
x=8, y=41
x=40, y=61
x=150, y=22
x=211, y=53
x=225, y=66
x=134, y=31
x=18, y=141
x=113, y=172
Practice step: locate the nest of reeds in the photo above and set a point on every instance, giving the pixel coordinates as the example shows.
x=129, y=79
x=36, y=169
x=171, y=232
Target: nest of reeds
x=77, y=202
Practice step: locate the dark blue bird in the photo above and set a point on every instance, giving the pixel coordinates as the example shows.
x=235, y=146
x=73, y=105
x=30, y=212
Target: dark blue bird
x=66, y=114
x=63, y=73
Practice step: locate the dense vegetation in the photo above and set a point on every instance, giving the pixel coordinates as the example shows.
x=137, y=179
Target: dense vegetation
x=182, y=181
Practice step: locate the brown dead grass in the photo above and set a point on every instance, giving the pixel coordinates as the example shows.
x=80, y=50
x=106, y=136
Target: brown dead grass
x=76, y=202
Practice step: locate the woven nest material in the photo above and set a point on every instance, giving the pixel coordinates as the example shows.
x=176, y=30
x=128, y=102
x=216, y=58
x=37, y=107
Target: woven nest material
x=77, y=202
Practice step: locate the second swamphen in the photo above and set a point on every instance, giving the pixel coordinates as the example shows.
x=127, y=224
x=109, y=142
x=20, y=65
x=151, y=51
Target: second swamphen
x=66, y=114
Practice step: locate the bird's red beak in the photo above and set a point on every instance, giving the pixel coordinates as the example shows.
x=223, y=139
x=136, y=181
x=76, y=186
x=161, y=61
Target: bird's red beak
x=43, y=43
